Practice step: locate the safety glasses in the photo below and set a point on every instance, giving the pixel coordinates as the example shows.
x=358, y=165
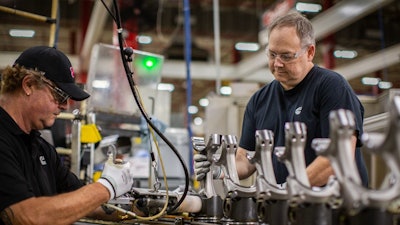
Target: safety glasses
x=59, y=95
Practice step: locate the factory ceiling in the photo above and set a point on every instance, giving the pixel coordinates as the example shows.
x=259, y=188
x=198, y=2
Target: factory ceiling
x=370, y=27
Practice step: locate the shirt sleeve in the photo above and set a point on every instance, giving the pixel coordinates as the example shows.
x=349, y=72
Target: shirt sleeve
x=336, y=93
x=247, y=140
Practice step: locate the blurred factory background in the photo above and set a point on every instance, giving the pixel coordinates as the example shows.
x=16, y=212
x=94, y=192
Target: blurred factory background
x=358, y=38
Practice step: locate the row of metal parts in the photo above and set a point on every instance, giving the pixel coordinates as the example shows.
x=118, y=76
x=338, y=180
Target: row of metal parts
x=298, y=202
x=343, y=201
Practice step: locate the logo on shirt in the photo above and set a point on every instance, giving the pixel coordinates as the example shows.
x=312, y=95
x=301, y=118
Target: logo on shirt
x=298, y=110
x=42, y=160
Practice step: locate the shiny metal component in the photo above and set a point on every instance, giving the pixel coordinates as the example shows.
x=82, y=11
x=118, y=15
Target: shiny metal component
x=238, y=197
x=152, y=202
x=76, y=143
x=339, y=150
x=262, y=159
x=212, y=204
x=227, y=161
x=213, y=144
x=298, y=185
x=272, y=207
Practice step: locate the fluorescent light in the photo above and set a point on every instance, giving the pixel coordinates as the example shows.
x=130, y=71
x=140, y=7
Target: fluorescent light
x=247, y=46
x=198, y=121
x=165, y=87
x=204, y=102
x=21, y=33
x=101, y=84
x=385, y=85
x=371, y=81
x=346, y=54
x=193, y=109
x=225, y=90
x=142, y=39
x=308, y=7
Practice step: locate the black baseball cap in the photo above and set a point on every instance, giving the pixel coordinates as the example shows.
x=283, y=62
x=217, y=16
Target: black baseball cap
x=56, y=67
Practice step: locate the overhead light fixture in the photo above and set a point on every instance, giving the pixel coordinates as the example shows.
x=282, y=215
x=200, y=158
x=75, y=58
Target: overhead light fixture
x=345, y=54
x=101, y=84
x=198, y=121
x=370, y=81
x=143, y=39
x=308, y=7
x=204, y=102
x=247, y=46
x=21, y=33
x=165, y=87
x=225, y=90
x=385, y=85
x=193, y=109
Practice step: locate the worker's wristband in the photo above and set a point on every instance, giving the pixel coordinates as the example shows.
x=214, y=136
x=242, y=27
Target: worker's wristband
x=106, y=183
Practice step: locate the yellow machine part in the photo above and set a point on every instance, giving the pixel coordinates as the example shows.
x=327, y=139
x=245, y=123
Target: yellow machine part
x=90, y=134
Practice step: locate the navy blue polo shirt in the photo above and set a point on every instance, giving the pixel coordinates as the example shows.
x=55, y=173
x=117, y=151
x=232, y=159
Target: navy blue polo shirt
x=29, y=166
x=310, y=102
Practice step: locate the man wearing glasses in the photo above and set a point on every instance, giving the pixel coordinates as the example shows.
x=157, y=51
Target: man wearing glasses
x=35, y=187
x=301, y=92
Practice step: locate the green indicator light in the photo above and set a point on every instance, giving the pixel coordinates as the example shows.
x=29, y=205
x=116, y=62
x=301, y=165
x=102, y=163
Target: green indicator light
x=149, y=63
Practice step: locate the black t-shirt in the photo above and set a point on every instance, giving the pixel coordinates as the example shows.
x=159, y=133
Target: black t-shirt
x=310, y=102
x=29, y=166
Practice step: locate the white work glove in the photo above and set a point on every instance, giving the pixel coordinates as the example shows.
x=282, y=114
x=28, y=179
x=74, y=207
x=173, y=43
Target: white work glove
x=116, y=177
x=202, y=167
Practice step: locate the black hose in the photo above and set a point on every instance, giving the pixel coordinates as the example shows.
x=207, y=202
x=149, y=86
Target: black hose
x=129, y=75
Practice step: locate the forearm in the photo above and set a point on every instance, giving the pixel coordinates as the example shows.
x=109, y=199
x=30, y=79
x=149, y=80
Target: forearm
x=60, y=209
x=243, y=166
x=319, y=171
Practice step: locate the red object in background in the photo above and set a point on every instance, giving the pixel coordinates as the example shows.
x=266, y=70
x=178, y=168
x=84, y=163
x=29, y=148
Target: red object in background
x=130, y=11
x=329, y=42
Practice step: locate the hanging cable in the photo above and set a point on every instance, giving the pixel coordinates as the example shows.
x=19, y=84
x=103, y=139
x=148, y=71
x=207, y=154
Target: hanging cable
x=132, y=85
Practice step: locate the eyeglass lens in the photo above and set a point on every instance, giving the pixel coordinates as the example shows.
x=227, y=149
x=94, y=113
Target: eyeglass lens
x=59, y=95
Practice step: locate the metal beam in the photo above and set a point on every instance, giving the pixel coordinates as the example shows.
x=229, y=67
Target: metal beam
x=368, y=64
x=206, y=71
x=330, y=21
x=343, y=14
x=94, y=31
x=371, y=63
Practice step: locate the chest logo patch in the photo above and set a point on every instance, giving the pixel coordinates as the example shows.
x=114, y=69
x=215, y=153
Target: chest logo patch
x=42, y=160
x=298, y=110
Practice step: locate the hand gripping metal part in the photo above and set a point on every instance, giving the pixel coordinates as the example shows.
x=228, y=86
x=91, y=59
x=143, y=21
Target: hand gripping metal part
x=213, y=144
x=212, y=203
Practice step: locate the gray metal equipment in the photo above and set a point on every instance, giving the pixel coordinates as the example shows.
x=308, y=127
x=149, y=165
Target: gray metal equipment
x=272, y=199
x=212, y=203
x=239, y=204
x=309, y=205
x=363, y=205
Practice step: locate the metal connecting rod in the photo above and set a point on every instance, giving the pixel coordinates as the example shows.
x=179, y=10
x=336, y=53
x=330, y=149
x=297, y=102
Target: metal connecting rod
x=310, y=205
x=272, y=199
x=357, y=198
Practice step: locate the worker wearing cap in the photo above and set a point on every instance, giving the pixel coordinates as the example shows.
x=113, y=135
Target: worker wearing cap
x=35, y=187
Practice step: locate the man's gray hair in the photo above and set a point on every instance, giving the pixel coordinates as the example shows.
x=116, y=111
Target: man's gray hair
x=303, y=26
